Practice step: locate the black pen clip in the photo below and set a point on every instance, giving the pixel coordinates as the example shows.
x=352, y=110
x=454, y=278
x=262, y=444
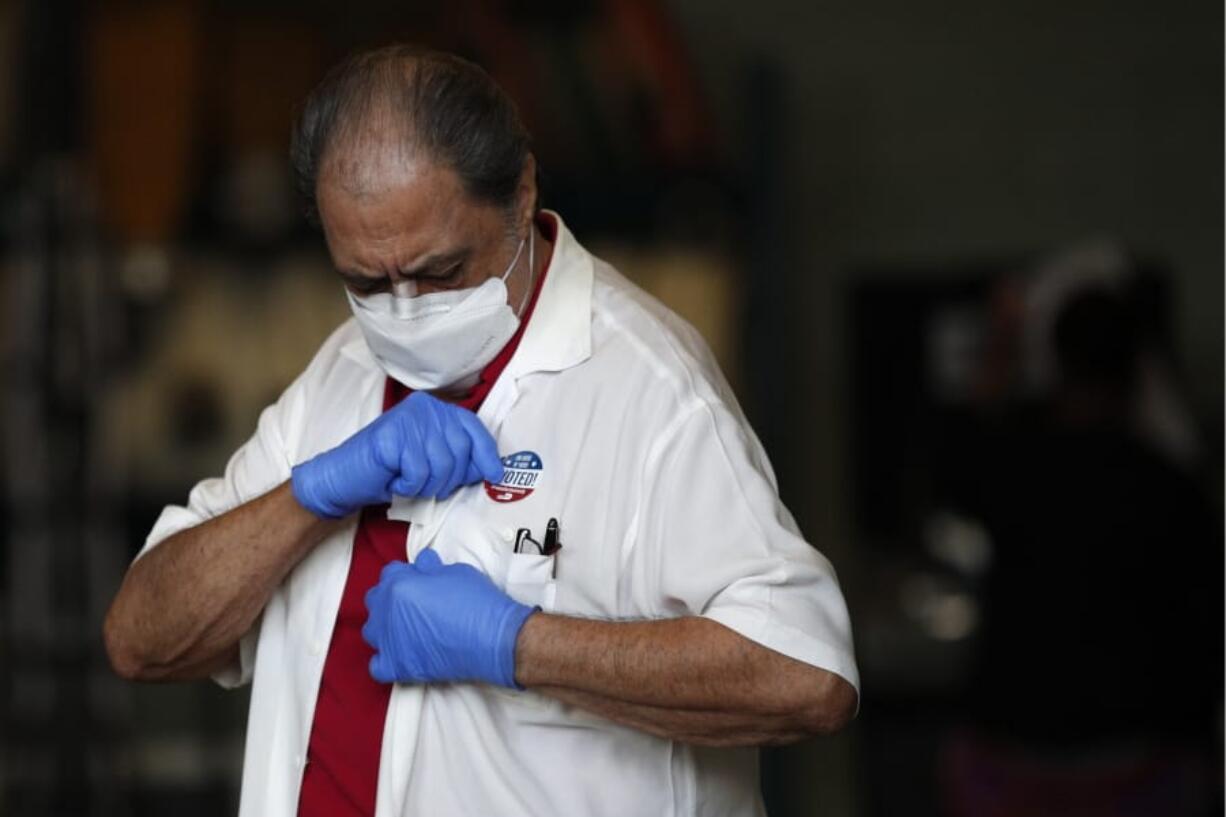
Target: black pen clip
x=552, y=545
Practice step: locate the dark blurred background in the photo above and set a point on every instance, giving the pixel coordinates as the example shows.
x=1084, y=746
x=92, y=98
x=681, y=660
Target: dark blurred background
x=963, y=263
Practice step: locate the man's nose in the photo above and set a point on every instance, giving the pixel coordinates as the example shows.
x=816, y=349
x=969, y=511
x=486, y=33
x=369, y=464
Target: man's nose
x=404, y=287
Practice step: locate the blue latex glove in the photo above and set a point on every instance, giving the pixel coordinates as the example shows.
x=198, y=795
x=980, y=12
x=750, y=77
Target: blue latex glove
x=421, y=447
x=433, y=622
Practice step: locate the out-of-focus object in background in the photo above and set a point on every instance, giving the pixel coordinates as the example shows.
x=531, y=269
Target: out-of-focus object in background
x=615, y=92
x=10, y=33
x=270, y=62
x=143, y=83
x=168, y=419
x=1157, y=411
x=1049, y=564
x=163, y=129
x=62, y=544
x=987, y=779
x=1098, y=676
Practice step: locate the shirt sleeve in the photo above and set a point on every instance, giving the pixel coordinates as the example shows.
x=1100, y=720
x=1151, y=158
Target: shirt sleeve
x=716, y=542
x=262, y=463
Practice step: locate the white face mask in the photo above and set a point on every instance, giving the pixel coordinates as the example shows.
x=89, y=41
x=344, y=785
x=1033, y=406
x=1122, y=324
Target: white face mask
x=440, y=339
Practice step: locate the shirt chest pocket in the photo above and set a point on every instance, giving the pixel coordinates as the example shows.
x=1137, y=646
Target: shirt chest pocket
x=530, y=580
x=464, y=535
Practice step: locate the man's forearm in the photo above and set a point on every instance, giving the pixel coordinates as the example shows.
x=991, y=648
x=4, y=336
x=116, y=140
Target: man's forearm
x=184, y=605
x=701, y=727
x=689, y=679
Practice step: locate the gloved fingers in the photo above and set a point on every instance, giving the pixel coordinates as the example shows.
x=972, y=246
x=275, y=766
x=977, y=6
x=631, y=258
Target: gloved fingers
x=414, y=470
x=370, y=633
x=381, y=669
x=419, y=401
x=430, y=414
x=386, y=576
x=373, y=600
x=401, y=487
x=440, y=463
x=390, y=570
x=460, y=446
x=472, y=474
x=485, y=450
x=428, y=561
x=384, y=440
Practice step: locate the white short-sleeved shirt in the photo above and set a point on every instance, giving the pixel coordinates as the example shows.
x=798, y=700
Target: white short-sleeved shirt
x=616, y=422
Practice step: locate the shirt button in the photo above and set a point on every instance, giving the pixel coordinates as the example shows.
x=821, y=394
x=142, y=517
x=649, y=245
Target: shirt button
x=317, y=648
x=508, y=535
x=297, y=760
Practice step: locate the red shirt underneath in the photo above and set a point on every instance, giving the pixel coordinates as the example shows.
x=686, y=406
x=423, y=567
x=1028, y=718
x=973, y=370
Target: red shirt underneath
x=342, y=769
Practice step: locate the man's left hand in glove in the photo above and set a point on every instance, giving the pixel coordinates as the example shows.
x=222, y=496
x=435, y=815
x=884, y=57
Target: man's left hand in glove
x=433, y=622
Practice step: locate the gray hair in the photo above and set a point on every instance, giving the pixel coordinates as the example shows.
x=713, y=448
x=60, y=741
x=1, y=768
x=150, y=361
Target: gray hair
x=422, y=102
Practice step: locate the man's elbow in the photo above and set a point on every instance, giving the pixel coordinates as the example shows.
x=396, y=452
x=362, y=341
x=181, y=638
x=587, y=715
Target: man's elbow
x=127, y=657
x=831, y=706
x=132, y=663
x=124, y=660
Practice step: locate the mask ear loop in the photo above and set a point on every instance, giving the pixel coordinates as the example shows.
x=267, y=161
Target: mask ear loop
x=531, y=270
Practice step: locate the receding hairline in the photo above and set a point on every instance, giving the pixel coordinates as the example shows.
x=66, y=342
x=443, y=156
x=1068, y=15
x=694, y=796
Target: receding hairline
x=365, y=180
x=373, y=144
x=377, y=115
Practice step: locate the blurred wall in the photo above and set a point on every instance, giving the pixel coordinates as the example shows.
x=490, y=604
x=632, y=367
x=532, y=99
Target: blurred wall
x=952, y=134
x=923, y=135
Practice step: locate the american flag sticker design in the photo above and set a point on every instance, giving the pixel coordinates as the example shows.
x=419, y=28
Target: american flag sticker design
x=520, y=473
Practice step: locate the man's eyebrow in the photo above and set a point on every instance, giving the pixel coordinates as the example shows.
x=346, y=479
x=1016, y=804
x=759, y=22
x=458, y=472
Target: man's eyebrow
x=357, y=278
x=433, y=263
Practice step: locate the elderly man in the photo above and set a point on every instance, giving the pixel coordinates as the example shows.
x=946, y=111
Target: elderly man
x=507, y=546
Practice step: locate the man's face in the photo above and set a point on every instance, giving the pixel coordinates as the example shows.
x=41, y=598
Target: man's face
x=419, y=226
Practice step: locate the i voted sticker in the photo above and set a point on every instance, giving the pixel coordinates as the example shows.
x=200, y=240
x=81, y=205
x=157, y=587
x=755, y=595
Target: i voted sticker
x=521, y=471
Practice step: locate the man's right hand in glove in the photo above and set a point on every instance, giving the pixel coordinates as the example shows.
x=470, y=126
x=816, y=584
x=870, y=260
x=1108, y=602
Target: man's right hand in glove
x=421, y=447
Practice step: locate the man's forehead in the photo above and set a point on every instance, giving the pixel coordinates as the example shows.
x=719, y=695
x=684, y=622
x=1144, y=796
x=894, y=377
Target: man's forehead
x=420, y=195
x=419, y=224
x=365, y=168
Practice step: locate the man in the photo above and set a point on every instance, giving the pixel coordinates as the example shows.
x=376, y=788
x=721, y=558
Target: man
x=583, y=599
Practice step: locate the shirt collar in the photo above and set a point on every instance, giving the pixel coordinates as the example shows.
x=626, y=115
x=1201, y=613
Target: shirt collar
x=559, y=332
